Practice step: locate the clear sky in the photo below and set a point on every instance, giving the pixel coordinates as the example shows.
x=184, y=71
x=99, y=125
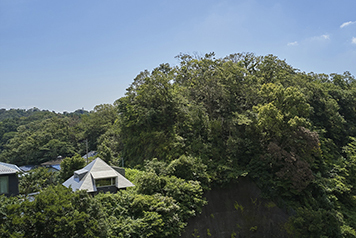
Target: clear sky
x=70, y=54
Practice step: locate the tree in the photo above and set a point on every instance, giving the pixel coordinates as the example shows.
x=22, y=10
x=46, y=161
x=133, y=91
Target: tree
x=189, y=168
x=56, y=212
x=291, y=148
x=40, y=141
x=95, y=124
x=36, y=180
x=148, y=114
x=69, y=165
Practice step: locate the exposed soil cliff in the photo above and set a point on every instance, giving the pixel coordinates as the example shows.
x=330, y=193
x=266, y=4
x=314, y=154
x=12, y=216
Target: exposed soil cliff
x=238, y=210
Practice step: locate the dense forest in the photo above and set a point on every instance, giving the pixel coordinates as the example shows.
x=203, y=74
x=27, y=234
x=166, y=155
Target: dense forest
x=185, y=129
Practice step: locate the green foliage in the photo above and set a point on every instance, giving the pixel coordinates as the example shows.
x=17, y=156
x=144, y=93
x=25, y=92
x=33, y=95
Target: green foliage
x=253, y=228
x=147, y=115
x=238, y=206
x=188, y=194
x=22, y=113
x=36, y=180
x=189, y=168
x=156, y=166
x=5, y=212
x=133, y=174
x=97, y=123
x=40, y=141
x=150, y=183
x=55, y=212
x=270, y=205
x=159, y=206
x=207, y=122
x=69, y=165
x=58, y=212
x=316, y=223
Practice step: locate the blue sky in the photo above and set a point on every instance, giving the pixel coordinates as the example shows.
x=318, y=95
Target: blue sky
x=67, y=55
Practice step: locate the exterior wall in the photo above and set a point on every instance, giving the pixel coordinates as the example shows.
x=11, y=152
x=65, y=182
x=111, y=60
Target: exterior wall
x=13, y=185
x=119, y=170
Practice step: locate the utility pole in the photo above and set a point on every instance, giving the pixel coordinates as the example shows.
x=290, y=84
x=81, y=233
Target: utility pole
x=86, y=143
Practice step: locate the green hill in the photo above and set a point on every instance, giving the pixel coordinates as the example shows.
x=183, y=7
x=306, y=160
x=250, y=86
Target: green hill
x=215, y=120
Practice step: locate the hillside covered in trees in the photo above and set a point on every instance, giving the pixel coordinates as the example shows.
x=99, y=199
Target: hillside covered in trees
x=203, y=124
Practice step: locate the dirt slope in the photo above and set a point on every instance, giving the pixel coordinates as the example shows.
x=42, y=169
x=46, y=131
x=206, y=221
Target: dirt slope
x=236, y=211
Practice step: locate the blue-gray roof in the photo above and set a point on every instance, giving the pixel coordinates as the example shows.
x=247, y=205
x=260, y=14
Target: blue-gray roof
x=27, y=168
x=6, y=168
x=90, y=154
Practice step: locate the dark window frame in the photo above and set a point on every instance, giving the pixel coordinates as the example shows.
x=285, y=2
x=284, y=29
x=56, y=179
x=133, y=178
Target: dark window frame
x=105, y=182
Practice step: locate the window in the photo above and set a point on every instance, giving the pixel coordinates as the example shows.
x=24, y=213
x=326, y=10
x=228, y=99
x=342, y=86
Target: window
x=4, y=184
x=105, y=182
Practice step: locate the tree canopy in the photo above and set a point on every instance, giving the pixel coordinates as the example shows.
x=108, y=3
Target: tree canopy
x=207, y=121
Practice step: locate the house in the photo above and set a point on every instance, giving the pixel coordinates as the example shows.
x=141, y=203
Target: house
x=9, y=182
x=27, y=168
x=53, y=165
x=97, y=177
x=90, y=154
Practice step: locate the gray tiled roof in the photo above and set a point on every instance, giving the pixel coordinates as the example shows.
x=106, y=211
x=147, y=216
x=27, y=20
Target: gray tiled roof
x=6, y=168
x=84, y=179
